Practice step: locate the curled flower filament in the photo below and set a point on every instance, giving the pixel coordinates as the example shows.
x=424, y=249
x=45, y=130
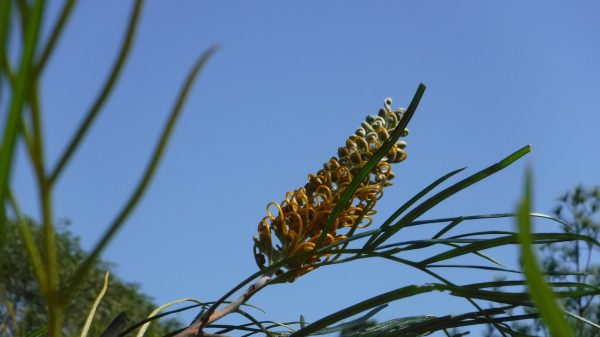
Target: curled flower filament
x=299, y=220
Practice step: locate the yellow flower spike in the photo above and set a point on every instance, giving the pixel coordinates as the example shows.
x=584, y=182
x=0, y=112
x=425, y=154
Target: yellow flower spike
x=303, y=214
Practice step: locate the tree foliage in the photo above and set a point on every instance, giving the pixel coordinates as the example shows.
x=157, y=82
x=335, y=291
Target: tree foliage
x=23, y=309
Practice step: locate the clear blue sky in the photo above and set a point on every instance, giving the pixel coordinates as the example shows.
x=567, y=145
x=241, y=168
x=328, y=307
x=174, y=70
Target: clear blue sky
x=291, y=82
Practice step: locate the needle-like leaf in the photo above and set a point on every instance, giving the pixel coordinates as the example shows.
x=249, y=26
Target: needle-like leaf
x=141, y=188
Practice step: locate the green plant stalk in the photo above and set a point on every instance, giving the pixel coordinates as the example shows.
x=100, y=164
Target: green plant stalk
x=383, y=150
x=5, y=12
x=107, y=89
x=30, y=245
x=62, y=20
x=142, y=186
x=23, y=8
x=36, y=150
x=542, y=296
x=19, y=96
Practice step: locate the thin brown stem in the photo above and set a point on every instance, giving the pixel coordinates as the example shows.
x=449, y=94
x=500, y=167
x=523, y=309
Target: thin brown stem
x=196, y=329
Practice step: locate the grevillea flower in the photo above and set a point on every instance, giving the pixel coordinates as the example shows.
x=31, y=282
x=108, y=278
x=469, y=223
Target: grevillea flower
x=298, y=221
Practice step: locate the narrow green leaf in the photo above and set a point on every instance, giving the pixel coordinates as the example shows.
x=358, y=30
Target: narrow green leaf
x=383, y=150
x=245, y=327
x=479, y=254
x=349, y=324
x=62, y=20
x=506, y=297
x=19, y=95
x=499, y=284
x=454, y=266
x=439, y=197
x=366, y=305
x=412, y=201
x=543, y=297
x=449, y=227
x=150, y=319
x=106, y=90
x=511, y=239
x=30, y=245
x=488, y=216
x=145, y=326
x=141, y=188
x=39, y=331
x=382, y=328
x=88, y=322
x=577, y=317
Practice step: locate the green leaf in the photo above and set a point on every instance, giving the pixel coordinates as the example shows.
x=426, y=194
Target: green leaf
x=511, y=239
x=64, y=15
x=39, y=331
x=412, y=201
x=145, y=181
x=582, y=319
x=350, y=324
x=106, y=90
x=436, y=199
x=20, y=91
x=90, y=317
x=488, y=216
x=159, y=309
x=542, y=296
x=366, y=305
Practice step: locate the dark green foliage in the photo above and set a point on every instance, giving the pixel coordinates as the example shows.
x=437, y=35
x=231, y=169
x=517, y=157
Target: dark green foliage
x=23, y=310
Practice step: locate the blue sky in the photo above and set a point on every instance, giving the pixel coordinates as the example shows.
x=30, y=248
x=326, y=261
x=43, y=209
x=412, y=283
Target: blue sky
x=290, y=84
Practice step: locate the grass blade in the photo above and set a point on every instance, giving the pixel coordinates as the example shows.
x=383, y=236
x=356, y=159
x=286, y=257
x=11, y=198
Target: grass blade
x=436, y=199
x=383, y=150
x=543, y=297
x=90, y=317
x=108, y=86
x=141, y=188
